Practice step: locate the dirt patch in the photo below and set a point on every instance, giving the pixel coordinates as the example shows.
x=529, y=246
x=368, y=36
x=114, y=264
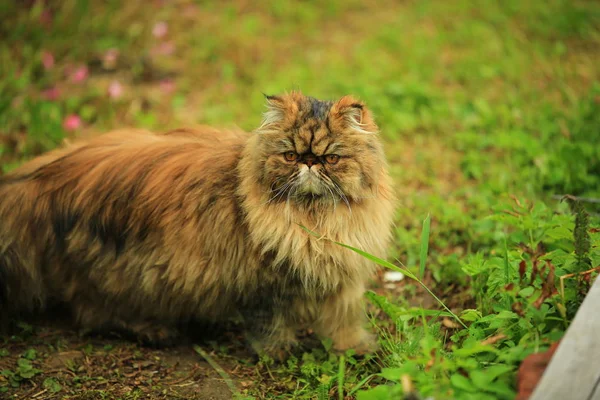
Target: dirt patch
x=64, y=365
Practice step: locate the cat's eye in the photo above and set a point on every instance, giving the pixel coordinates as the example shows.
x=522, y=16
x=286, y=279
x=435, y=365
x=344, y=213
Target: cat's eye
x=290, y=156
x=332, y=158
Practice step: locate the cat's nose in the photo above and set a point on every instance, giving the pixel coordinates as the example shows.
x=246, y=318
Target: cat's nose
x=310, y=160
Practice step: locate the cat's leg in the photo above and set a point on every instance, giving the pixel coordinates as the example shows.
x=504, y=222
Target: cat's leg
x=342, y=319
x=271, y=333
x=92, y=319
x=151, y=333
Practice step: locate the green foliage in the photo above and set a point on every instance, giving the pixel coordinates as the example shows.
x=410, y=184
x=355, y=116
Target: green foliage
x=519, y=310
x=582, y=238
x=561, y=158
x=424, y=246
x=30, y=354
x=52, y=385
x=489, y=111
x=24, y=370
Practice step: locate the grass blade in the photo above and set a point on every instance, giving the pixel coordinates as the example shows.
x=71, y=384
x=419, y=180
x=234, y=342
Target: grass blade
x=341, y=374
x=391, y=266
x=360, y=384
x=506, y=273
x=506, y=264
x=219, y=370
x=424, y=246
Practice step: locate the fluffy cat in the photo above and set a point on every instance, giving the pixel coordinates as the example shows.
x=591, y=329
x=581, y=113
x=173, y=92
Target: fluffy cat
x=142, y=232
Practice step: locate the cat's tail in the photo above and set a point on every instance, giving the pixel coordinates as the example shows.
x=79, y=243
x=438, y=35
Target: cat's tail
x=7, y=307
x=21, y=286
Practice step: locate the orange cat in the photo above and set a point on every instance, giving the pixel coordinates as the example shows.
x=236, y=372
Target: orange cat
x=143, y=232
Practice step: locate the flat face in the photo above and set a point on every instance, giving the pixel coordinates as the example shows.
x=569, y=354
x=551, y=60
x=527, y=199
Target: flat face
x=318, y=150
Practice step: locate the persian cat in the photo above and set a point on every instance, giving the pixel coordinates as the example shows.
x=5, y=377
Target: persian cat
x=143, y=232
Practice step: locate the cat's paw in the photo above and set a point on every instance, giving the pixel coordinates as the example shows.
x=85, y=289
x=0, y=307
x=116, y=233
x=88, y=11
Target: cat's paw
x=276, y=344
x=152, y=335
x=279, y=352
x=158, y=338
x=366, y=346
x=362, y=343
x=276, y=353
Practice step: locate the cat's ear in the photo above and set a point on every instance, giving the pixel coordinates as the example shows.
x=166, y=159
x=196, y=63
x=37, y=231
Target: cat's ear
x=353, y=114
x=279, y=110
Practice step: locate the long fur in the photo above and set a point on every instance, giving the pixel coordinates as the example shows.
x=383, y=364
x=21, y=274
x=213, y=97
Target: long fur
x=141, y=231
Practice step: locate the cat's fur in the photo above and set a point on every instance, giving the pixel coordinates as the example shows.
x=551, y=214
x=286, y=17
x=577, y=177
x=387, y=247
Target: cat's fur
x=141, y=231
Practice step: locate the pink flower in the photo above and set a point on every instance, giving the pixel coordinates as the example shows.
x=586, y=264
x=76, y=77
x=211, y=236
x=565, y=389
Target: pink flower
x=160, y=29
x=164, y=49
x=115, y=90
x=72, y=122
x=80, y=74
x=167, y=86
x=51, y=93
x=47, y=60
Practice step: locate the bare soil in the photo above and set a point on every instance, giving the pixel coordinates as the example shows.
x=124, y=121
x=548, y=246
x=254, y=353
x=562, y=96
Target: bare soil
x=102, y=367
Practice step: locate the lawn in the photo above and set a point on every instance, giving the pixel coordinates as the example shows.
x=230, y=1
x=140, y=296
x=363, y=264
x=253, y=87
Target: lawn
x=490, y=113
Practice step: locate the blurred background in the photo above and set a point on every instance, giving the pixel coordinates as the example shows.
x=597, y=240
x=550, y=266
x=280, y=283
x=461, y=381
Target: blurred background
x=474, y=97
x=486, y=108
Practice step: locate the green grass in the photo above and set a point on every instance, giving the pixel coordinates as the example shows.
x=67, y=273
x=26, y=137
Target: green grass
x=490, y=111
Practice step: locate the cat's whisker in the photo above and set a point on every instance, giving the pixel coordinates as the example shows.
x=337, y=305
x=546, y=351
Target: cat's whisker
x=270, y=199
x=291, y=193
x=342, y=196
x=279, y=192
x=276, y=189
x=332, y=197
x=330, y=183
x=289, y=180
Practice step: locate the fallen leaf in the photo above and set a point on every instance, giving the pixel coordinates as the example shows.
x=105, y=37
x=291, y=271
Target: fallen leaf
x=531, y=371
x=493, y=339
x=450, y=324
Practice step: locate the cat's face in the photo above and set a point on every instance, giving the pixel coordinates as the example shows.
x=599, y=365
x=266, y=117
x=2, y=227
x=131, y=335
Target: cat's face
x=317, y=151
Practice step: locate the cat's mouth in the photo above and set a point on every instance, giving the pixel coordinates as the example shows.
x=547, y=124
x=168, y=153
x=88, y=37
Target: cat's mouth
x=310, y=183
x=308, y=186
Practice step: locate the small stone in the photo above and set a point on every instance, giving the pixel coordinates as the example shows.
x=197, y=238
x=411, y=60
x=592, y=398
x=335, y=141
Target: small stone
x=393, y=276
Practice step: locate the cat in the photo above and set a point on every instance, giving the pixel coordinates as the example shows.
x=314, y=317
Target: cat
x=142, y=232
